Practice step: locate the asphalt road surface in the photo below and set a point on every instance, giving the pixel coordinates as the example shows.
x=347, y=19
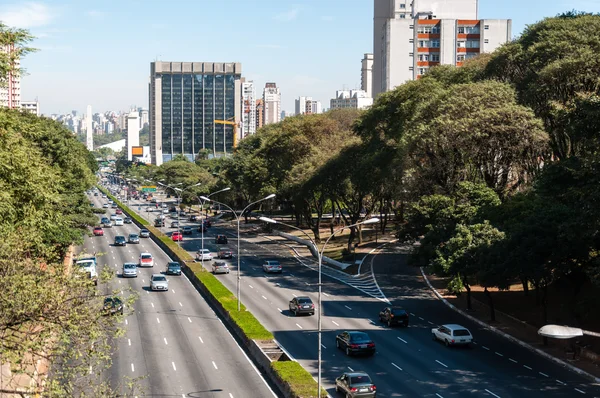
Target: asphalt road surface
x=408, y=363
x=172, y=338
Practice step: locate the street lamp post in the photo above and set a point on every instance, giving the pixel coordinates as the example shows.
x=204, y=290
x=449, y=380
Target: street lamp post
x=564, y=332
x=202, y=208
x=320, y=259
x=206, y=199
x=179, y=193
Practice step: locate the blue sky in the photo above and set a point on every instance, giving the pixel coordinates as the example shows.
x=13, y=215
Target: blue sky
x=99, y=52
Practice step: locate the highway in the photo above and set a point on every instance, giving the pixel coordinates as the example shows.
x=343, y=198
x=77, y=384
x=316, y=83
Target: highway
x=173, y=339
x=407, y=363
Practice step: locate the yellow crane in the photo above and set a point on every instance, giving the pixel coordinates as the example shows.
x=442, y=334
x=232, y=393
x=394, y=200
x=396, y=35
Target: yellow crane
x=232, y=123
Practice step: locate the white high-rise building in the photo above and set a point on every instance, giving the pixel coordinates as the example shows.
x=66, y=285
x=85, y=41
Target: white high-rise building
x=366, y=74
x=10, y=91
x=410, y=36
x=248, y=109
x=358, y=99
x=89, y=131
x=143, y=117
x=31, y=107
x=307, y=106
x=133, y=134
x=271, y=103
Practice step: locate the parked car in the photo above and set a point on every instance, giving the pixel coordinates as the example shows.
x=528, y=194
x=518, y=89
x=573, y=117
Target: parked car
x=173, y=268
x=225, y=253
x=133, y=238
x=146, y=260
x=302, y=305
x=188, y=230
x=129, y=270
x=177, y=236
x=159, y=282
x=203, y=254
x=220, y=267
x=221, y=239
x=355, y=385
x=127, y=220
x=452, y=334
x=394, y=316
x=120, y=240
x=112, y=305
x=144, y=233
x=353, y=342
x=272, y=266
x=98, y=231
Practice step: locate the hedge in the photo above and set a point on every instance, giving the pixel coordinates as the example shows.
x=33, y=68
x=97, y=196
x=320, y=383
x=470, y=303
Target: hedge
x=302, y=383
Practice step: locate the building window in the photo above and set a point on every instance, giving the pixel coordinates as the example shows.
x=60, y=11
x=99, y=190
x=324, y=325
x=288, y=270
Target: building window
x=486, y=27
x=461, y=44
x=411, y=54
x=411, y=68
x=472, y=43
x=422, y=71
x=402, y=16
x=402, y=5
x=411, y=27
x=460, y=57
x=434, y=57
x=472, y=30
x=486, y=41
x=411, y=40
x=434, y=44
x=461, y=30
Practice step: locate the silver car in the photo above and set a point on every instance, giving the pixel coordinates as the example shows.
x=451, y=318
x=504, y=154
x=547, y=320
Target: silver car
x=133, y=238
x=159, y=282
x=129, y=270
x=220, y=267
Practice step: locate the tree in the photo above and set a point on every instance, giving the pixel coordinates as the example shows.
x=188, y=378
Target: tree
x=17, y=40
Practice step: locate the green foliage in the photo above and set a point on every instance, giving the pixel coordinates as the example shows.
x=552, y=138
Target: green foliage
x=104, y=139
x=9, y=61
x=302, y=384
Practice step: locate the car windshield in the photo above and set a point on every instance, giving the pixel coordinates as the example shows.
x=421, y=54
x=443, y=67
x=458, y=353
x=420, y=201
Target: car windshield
x=133, y=236
x=305, y=300
x=274, y=263
x=146, y=256
x=120, y=238
x=143, y=231
x=462, y=332
x=363, y=379
x=173, y=265
x=85, y=264
x=159, y=279
x=359, y=337
x=129, y=266
x=398, y=311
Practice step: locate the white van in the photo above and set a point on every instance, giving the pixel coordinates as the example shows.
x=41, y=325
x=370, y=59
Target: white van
x=118, y=221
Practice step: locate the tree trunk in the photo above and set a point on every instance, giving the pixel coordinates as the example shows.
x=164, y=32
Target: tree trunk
x=360, y=235
x=468, y=288
x=525, y=284
x=351, y=238
x=491, y=303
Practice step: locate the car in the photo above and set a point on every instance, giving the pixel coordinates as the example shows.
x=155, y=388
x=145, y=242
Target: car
x=302, y=305
x=173, y=268
x=95, y=193
x=225, y=253
x=355, y=385
x=177, y=236
x=188, y=230
x=133, y=238
x=98, y=231
x=107, y=224
x=129, y=270
x=163, y=205
x=159, y=282
x=120, y=240
x=355, y=342
x=159, y=222
x=208, y=222
x=144, y=233
x=193, y=218
x=146, y=260
x=119, y=211
x=112, y=305
x=394, y=316
x=114, y=205
x=165, y=211
x=203, y=254
x=175, y=224
x=105, y=206
x=221, y=239
x=113, y=217
x=118, y=221
x=452, y=334
x=202, y=228
x=104, y=220
x=220, y=267
x=127, y=220
x=272, y=266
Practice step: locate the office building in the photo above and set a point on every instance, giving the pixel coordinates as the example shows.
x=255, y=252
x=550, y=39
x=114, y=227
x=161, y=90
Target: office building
x=366, y=74
x=187, y=101
x=143, y=117
x=89, y=132
x=10, y=90
x=272, y=103
x=357, y=99
x=260, y=113
x=133, y=134
x=307, y=106
x=248, y=109
x=411, y=36
x=31, y=107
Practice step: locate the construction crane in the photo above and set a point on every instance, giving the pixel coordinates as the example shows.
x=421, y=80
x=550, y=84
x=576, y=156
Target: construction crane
x=232, y=123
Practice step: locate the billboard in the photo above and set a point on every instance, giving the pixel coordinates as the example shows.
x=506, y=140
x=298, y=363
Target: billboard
x=137, y=151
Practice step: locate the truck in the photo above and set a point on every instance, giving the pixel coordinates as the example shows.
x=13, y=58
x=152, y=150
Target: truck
x=86, y=265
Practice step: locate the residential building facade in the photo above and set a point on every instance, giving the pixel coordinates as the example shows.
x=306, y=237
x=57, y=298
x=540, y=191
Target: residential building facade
x=186, y=101
x=272, y=104
x=409, y=37
x=307, y=106
x=260, y=113
x=248, y=109
x=357, y=99
x=133, y=133
x=10, y=91
x=31, y=107
x=366, y=74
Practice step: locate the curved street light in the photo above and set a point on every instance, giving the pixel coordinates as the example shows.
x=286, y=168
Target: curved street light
x=202, y=208
x=564, y=332
x=320, y=259
x=206, y=199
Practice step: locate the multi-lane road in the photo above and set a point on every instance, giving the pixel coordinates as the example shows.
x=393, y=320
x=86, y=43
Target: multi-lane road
x=173, y=339
x=407, y=363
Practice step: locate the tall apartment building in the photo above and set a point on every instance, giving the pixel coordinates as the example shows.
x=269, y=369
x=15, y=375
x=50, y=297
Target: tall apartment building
x=272, y=103
x=366, y=74
x=10, y=91
x=248, y=126
x=307, y=106
x=144, y=117
x=410, y=36
x=357, y=99
x=260, y=113
x=89, y=129
x=186, y=98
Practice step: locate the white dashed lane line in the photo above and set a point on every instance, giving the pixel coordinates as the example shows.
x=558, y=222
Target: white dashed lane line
x=129, y=341
x=157, y=320
x=299, y=326
x=527, y=367
x=215, y=365
x=294, y=295
x=412, y=314
x=335, y=323
x=202, y=341
x=396, y=366
x=348, y=307
x=491, y=393
x=512, y=360
x=543, y=374
x=558, y=381
x=132, y=368
x=264, y=297
x=279, y=309
x=441, y=363
x=174, y=368
x=251, y=287
x=422, y=318
x=326, y=294
x=497, y=353
x=181, y=305
x=152, y=304
x=485, y=348
x=323, y=346
x=165, y=339
x=402, y=340
x=578, y=390
x=190, y=319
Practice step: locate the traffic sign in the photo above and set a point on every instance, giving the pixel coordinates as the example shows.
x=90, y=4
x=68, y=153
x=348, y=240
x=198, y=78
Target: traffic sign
x=149, y=189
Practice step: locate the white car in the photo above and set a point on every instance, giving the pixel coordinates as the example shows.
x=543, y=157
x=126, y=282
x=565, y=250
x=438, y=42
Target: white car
x=202, y=255
x=159, y=282
x=452, y=334
x=105, y=206
x=272, y=266
x=146, y=260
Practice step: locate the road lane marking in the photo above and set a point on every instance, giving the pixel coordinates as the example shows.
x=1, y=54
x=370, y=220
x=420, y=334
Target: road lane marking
x=230, y=395
x=485, y=348
x=173, y=291
x=370, y=320
x=251, y=287
x=412, y=314
x=422, y=318
x=157, y=320
x=126, y=323
x=543, y=374
x=512, y=360
x=279, y=309
x=181, y=305
x=90, y=369
x=152, y=304
x=564, y=384
x=438, y=395
x=527, y=367
x=264, y=297
x=174, y=368
x=497, y=396
x=291, y=274
x=190, y=319
x=441, y=363
x=431, y=323
x=396, y=366
x=578, y=390
x=335, y=323
x=294, y=295
x=404, y=341
x=323, y=346
x=351, y=370
x=497, y=353
x=129, y=341
x=307, y=284
x=348, y=307
x=165, y=339
x=326, y=294
x=119, y=281
x=132, y=368
x=299, y=326
x=215, y=365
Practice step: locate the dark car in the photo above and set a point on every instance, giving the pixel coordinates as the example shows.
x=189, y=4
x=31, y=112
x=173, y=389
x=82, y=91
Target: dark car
x=221, y=240
x=144, y=233
x=187, y=230
x=202, y=228
x=225, y=253
x=173, y=268
x=355, y=385
x=112, y=305
x=120, y=240
x=394, y=316
x=193, y=218
x=208, y=222
x=133, y=238
x=354, y=342
x=127, y=220
x=302, y=305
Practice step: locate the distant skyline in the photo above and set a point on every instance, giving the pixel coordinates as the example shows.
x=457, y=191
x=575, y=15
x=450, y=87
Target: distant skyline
x=99, y=53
